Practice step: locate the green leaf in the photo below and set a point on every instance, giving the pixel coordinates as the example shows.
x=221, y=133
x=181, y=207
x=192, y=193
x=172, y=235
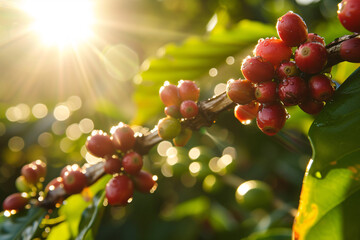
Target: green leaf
x=197, y=207
x=191, y=60
x=330, y=195
x=91, y=214
x=22, y=225
x=273, y=234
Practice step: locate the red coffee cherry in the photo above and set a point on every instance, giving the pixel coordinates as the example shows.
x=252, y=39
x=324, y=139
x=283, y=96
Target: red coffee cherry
x=292, y=29
x=349, y=14
x=311, y=106
x=266, y=92
x=15, y=201
x=169, y=94
x=257, y=70
x=30, y=173
x=188, y=90
x=287, y=69
x=189, y=109
x=144, y=182
x=246, y=113
x=53, y=184
x=292, y=90
x=350, y=50
x=273, y=50
x=313, y=37
x=240, y=91
x=74, y=179
x=132, y=162
x=173, y=111
x=119, y=190
x=41, y=168
x=311, y=57
x=182, y=139
x=271, y=118
x=112, y=165
x=123, y=137
x=168, y=128
x=99, y=144
x=321, y=88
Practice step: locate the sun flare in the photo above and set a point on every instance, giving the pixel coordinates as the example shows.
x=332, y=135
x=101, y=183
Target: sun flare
x=61, y=22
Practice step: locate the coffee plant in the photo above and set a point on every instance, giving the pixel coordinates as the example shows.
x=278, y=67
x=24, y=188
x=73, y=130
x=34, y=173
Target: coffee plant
x=287, y=73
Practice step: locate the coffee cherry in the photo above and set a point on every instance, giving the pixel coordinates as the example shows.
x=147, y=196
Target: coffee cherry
x=188, y=90
x=15, y=201
x=313, y=37
x=144, y=182
x=287, y=69
x=292, y=90
x=266, y=92
x=321, y=88
x=273, y=50
x=350, y=50
x=240, y=91
x=41, y=168
x=30, y=173
x=99, y=144
x=168, y=128
x=271, y=118
x=311, y=57
x=254, y=194
x=74, y=179
x=246, y=113
x=112, y=165
x=182, y=139
x=123, y=137
x=256, y=70
x=292, y=29
x=189, y=109
x=119, y=190
x=132, y=162
x=349, y=14
x=53, y=184
x=311, y=106
x=173, y=111
x=169, y=94
x=22, y=185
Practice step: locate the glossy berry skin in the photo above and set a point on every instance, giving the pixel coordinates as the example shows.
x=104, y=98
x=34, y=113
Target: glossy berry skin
x=287, y=69
x=240, y=91
x=350, y=50
x=292, y=29
x=132, y=162
x=168, y=128
x=271, y=118
x=311, y=57
x=349, y=14
x=273, y=50
x=53, y=184
x=173, y=111
x=144, y=182
x=30, y=173
x=311, y=106
x=112, y=165
x=256, y=70
x=169, y=95
x=266, y=92
x=123, y=137
x=15, y=201
x=189, y=109
x=182, y=139
x=254, y=194
x=119, y=190
x=321, y=88
x=41, y=168
x=188, y=90
x=313, y=37
x=22, y=185
x=74, y=180
x=292, y=90
x=246, y=113
x=99, y=144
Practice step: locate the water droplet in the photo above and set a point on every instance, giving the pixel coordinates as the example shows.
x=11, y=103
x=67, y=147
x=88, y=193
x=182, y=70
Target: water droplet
x=318, y=175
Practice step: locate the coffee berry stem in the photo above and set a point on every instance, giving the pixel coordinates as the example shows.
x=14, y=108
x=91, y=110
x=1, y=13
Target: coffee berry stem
x=208, y=111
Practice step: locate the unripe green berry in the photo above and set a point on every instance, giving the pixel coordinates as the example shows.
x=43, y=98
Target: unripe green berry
x=169, y=128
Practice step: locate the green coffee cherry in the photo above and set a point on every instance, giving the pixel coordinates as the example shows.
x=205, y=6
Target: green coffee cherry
x=169, y=128
x=254, y=194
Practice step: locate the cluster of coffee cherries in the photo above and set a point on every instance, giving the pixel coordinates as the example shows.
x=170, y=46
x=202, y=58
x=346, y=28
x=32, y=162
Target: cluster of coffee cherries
x=180, y=102
x=277, y=77
x=29, y=183
x=122, y=162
